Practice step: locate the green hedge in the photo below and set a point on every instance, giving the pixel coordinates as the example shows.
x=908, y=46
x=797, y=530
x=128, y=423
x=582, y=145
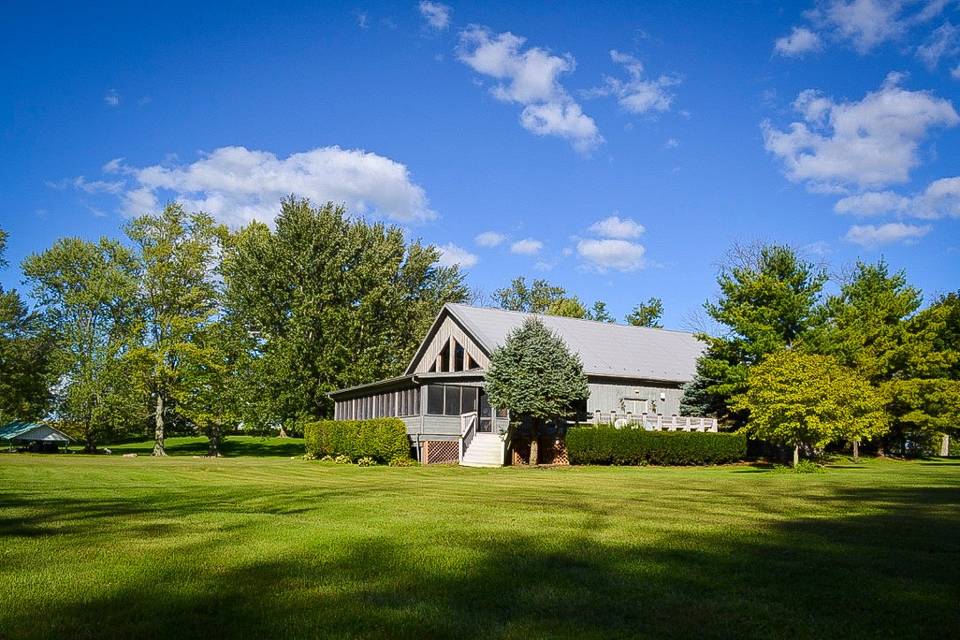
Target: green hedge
x=607, y=445
x=382, y=439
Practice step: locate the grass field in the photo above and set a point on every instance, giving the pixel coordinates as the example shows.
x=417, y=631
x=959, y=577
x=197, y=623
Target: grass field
x=111, y=547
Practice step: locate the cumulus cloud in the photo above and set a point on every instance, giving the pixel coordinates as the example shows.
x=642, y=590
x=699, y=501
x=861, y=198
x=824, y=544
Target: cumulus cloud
x=955, y=74
x=453, y=255
x=608, y=253
x=870, y=235
x=436, y=14
x=944, y=41
x=940, y=199
x=617, y=227
x=868, y=143
x=112, y=98
x=800, y=41
x=526, y=247
x=237, y=185
x=489, y=239
x=530, y=77
x=636, y=94
x=863, y=24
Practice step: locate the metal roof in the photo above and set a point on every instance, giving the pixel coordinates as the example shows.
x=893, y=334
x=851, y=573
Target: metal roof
x=31, y=431
x=605, y=349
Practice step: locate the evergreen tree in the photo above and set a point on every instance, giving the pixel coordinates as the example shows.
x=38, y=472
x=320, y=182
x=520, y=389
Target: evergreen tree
x=534, y=375
x=768, y=301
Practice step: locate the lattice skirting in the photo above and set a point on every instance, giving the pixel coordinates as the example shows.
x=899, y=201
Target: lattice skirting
x=439, y=451
x=552, y=451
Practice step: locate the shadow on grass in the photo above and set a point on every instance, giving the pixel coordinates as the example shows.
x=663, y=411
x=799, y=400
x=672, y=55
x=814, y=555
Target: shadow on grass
x=892, y=573
x=236, y=446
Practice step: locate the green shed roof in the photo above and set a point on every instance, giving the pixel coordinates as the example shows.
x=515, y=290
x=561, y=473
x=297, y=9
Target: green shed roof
x=31, y=431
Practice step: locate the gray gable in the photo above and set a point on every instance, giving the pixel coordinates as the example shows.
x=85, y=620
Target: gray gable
x=605, y=349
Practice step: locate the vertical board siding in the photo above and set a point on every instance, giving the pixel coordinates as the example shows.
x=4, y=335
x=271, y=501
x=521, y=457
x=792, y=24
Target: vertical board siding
x=448, y=330
x=606, y=397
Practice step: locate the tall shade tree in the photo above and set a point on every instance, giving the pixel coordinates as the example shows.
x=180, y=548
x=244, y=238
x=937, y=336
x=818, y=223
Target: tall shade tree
x=646, y=314
x=768, y=301
x=535, y=298
x=534, y=375
x=25, y=351
x=178, y=254
x=807, y=400
x=328, y=301
x=88, y=294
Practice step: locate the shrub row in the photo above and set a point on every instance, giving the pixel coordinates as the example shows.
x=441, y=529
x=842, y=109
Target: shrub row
x=382, y=439
x=607, y=445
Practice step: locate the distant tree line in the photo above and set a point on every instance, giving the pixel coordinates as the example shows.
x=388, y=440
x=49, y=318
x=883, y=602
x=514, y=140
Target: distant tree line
x=794, y=365
x=189, y=327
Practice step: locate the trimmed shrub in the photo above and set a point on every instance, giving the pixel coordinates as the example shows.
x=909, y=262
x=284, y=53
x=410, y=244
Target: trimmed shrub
x=606, y=445
x=382, y=439
x=366, y=461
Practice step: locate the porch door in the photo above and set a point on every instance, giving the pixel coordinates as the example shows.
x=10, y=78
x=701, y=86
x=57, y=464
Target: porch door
x=485, y=414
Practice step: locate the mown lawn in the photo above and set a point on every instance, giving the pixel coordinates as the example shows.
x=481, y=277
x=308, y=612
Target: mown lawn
x=111, y=547
x=232, y=446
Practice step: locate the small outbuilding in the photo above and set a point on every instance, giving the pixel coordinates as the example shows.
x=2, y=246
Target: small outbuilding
x=33, y=436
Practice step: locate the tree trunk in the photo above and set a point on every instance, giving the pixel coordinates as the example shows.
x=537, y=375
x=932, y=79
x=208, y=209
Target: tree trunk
x=283, y=432
x=158, y=448
x=796, y=455
x=214, y=436
x=944, y=445
x=89, y=446
x=856, y=451
x=534, y=445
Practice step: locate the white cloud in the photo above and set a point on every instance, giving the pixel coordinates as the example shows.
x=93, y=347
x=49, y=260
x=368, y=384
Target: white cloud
x=530, y=77
x=940, y=199
x=619, y=255
x=872, y=203
x=363, y=19
x=872, y=142
x=800, y=41
x=436, y=14
x=869, y=235
x=112, y=98
x=864, y=24
x=489, y=239
x=451, y=255
x=671, y=143
x=617, y=227
x=526, y=247
x=956, y=72
x=237, y=185
x=636, y=94
x=944, y=41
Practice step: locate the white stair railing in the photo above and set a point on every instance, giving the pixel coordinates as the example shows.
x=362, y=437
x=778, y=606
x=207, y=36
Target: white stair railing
x=468, y=429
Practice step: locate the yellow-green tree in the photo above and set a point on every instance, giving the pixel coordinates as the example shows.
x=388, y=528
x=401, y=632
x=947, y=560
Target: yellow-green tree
x=804, y=400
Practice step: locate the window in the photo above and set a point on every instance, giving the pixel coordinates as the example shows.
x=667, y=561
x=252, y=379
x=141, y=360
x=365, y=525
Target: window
x=435, y=400
x=452, y=407
x=469, y=402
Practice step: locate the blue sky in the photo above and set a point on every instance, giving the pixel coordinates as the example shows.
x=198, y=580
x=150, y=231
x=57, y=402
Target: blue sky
x=616, y=149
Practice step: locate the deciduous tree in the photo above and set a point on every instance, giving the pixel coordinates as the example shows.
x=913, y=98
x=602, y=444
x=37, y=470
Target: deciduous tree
x=177, y=252
x=800, y=399
x=88, y=294
x=647, y=314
